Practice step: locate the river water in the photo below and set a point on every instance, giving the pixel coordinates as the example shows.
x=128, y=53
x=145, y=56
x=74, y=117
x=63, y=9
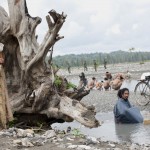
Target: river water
x=109, y=131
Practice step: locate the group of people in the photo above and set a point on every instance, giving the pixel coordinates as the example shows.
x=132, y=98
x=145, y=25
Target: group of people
x=109, y=82
x=124, y=112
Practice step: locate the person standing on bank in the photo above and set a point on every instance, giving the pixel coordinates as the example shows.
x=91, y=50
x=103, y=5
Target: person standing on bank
x=85, y=66
x=95, y=65
x=124, y=112
x=105, y=63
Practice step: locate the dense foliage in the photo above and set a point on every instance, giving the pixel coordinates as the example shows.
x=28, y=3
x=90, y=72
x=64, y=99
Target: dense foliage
x=111, y=58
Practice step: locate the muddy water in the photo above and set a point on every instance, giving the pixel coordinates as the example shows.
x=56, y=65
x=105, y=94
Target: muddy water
x=109, y=131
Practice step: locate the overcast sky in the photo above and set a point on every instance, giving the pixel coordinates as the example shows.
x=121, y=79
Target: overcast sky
x=96, y=25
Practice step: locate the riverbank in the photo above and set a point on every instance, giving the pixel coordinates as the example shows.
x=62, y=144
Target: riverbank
x=103, y=101
x=136, y=69
x=14, y=139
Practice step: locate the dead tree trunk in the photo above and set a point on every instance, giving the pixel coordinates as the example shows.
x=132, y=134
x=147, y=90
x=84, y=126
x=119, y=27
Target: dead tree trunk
x=30, y=81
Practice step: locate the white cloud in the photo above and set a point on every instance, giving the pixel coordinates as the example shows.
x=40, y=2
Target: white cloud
x=135, y=26
x=73, y=30
x=115, y=29
x=96, y=25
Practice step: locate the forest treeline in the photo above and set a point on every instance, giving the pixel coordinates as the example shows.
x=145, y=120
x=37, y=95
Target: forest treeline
x=111, y=58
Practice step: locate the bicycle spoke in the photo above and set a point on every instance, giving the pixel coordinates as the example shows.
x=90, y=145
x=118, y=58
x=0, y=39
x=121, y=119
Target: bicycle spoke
x=142, y=93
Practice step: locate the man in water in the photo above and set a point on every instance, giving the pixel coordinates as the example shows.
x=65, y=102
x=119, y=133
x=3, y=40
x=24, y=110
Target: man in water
x=83, y=81
x=106, y=84
x=108, y=75
x=99, y=85
x=92, y=83
x=123, y=111
x=117, y=82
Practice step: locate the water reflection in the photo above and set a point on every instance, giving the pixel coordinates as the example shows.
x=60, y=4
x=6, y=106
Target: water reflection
x=125, y=132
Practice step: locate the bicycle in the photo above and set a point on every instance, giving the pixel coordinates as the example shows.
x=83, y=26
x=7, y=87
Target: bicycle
x=142, y=91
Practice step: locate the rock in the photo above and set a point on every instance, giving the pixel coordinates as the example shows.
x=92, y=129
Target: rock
x=49, y=134
x=83, y=141
x=59, y=140
x=72, y=146
x=145, y=148
x=134, y=147
x=69, y=144
x=147, y=145
x=84, y=147
x=61, y=146
x=14, y=134
x=38, y=140
x=17, y=142
x=117, y=148
x=57, y=143
x=69, y=139
x=11, y=130
x=6, y=133
x=24, y=133
x=112, y=145
x=26, y=142
x=20, y=133
x=91, y=140
x=29, y=133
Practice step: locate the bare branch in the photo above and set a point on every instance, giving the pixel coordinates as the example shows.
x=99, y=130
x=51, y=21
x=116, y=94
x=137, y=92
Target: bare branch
x=59, y=37
x=49, y=40
x=50, y=57
x=49, y=22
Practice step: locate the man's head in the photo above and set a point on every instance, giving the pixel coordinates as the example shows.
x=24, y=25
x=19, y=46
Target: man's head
x=82, y=75
x=105, y=78
x=94, y=78
x=123, y=93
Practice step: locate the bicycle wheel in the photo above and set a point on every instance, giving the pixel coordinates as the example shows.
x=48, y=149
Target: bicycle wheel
x=142, y=93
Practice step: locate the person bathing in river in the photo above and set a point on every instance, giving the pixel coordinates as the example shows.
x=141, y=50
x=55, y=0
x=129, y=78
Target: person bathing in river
x=99, y=85
x=83, y=81
x=124, y=112
x=117, y=82
x=106, y=84
x=92, y=83
x=108, y=75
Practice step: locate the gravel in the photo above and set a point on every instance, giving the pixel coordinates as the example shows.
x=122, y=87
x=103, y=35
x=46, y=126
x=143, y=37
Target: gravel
x=104, y=101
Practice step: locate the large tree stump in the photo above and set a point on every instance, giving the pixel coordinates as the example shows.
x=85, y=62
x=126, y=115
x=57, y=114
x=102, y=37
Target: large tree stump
x=30, y=80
